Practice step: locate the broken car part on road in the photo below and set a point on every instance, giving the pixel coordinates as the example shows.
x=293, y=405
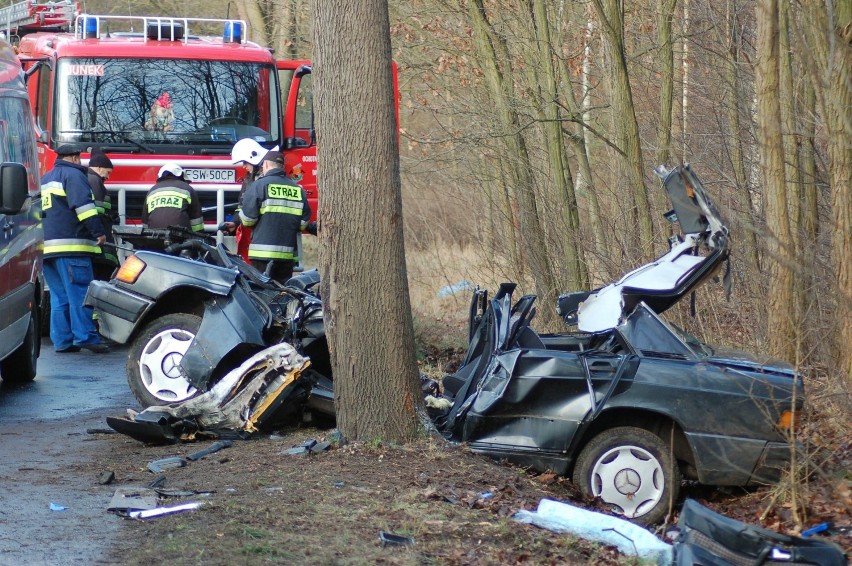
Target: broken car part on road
x=192, y=312
x=245, y=399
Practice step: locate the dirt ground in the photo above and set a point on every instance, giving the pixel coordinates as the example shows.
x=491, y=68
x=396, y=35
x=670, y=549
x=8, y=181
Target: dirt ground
x=264, y=506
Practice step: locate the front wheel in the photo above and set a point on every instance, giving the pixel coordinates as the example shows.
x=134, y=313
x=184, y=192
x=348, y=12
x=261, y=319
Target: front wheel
x=20, y=366
x=631, y=469
x=153, y=366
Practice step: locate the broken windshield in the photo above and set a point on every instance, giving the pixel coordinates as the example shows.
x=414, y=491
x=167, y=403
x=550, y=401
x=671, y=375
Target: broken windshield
x=141, y=102
x=651, y=336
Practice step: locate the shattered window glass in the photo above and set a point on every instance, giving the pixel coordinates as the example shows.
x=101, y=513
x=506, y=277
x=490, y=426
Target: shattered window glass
x=651, y=337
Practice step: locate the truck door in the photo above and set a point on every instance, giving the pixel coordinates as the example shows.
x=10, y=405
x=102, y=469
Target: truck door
x=298, y=144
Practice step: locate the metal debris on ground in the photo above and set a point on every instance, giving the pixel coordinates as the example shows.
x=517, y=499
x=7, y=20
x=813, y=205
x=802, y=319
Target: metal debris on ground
x=158, y=466
x=106, y=478
x=391, y=539
x=215, y=447
x=127, y=499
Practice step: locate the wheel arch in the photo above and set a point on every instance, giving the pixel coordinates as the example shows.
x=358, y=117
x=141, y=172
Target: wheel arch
x=184, y=299
x=654, y=422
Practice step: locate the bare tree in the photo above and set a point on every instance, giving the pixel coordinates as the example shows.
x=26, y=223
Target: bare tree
x=827, y=30
x=780, y=291
x=362, y=256
x=665, y=13
x=611, y=16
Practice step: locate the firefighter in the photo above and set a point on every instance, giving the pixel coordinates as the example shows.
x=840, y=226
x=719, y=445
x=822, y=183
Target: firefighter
x=72, y=236
x=276, y=209
x=172, y=202
x=248, y=154
x=100, y=168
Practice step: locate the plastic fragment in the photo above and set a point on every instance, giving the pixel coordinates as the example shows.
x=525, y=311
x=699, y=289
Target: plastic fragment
x=630, y=539
x=57, y=507
x=215, y=447
x=158, y=466
x=159, y=511
x=391, y=539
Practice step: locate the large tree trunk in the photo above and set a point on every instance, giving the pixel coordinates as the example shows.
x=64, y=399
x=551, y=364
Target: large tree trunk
x=779, y=320
x=362, y=257
x=611, y=16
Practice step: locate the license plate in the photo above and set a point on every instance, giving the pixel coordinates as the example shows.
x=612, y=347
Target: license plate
x=210, y=175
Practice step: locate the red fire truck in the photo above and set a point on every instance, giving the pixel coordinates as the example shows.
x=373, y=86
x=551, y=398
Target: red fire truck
x=146, y=90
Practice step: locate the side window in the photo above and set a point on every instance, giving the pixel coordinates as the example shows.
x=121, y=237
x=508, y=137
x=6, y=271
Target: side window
x=16, y=131
x=43, y=96
x=305, y=103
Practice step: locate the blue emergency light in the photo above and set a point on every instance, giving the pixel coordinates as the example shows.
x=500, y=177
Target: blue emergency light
x=233, y=32
x=90, y=28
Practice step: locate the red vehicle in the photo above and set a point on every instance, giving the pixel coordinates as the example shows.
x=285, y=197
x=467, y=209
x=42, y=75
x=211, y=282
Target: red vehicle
x=21, y=240
x=146, y=90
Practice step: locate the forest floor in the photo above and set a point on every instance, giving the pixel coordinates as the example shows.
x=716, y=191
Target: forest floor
x=261, y=505
x=265, y=506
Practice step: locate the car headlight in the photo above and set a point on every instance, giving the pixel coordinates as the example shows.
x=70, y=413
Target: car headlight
x=130, y=270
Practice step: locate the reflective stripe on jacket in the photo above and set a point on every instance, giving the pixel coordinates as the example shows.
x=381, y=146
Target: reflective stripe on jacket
x=69, y=215
x=277, y=209
x=103, y=202
x=172, y=202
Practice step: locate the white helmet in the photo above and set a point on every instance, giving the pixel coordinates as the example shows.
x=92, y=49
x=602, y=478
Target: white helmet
x=247, y=150
x=171, y=167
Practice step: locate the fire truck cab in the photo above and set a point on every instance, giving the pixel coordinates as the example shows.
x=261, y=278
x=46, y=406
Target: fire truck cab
x=146, y=90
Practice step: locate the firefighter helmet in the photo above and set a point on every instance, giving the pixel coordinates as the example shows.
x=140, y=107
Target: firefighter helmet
x=172, y=168
x=247, y=150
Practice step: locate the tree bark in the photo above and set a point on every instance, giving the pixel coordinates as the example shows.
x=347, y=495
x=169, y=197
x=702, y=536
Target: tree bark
x=781, y=335
x=362, y=256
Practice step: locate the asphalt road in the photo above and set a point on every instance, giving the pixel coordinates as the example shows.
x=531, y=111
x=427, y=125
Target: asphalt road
x=45, y=455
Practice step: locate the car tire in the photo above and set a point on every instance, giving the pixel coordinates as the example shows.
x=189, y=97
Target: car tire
x=21, y=365
x=161, y=344
x=630, y=469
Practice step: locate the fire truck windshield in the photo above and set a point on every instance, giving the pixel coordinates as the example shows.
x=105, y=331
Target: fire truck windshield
x=192, y=106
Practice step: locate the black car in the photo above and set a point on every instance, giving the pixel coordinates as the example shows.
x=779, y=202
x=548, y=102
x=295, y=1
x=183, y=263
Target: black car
x=625, y=403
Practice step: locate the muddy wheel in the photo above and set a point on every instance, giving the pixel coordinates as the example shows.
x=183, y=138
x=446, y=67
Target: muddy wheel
x=20, y=366
x=630, y=469
x=153, y=364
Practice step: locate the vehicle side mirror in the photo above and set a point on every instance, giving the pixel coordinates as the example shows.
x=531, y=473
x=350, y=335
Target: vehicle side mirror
x=13, y=187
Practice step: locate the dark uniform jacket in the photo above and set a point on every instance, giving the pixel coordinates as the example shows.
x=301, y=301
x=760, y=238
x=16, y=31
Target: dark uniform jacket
x=276, y=209
x=70, y=217
x=103, y=202
x=172, y=202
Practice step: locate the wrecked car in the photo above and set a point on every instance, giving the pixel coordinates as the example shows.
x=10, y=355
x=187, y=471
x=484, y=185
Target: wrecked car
x=625, y=403
x=192, y=311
